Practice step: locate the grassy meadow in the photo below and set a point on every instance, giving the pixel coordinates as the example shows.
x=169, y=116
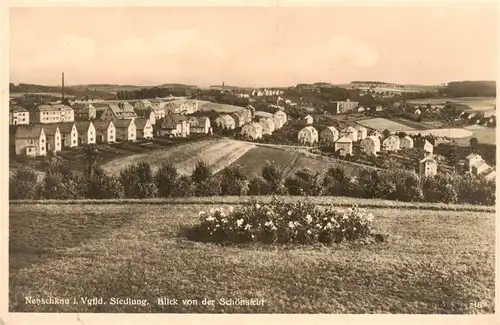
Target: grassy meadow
x=430, y=262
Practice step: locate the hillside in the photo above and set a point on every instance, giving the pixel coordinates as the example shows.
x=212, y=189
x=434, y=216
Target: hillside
x=431, y=262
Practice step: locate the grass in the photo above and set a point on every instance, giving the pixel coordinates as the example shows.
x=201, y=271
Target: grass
x=431, y=262
x=340, y=201
x=291, y=161
x=216, y=153
x=482, y=133
x=381, y=124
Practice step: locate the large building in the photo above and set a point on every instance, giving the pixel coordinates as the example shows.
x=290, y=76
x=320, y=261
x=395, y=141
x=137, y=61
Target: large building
x=18, y=115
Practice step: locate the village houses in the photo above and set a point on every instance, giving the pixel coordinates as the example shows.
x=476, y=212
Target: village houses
x=69, y=134
x=18, y=115
x=53, y=135
x=84, y=111
x=144, y=129
x=30, y=140
x=267, y=125
x=308, y=136
x=370, y=145
x=225, y=122
x=406, y=142
x=45, y=114
x=238, y=120
x=280, y=119
x=86, y=132
x=174, y=125
x=329, y=135
x=252, y=130
x=471, y=160
x=391, y=143
x=148, y=113
x=350, y=132
x=105, y=131
x=427, y=167
x=200, y=125
x=344, y=145
x=362, y=131
x=125, y=130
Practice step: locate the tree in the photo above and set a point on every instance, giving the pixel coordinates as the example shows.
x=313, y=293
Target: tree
x=386, y=133
x=474, y=142
x=233, y=181
x=184, y=187
x=138, y=181
x=274, y=178
x=23, y=184
x=166, y=179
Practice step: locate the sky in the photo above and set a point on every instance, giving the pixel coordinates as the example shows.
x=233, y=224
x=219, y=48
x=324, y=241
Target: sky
x=255, y=47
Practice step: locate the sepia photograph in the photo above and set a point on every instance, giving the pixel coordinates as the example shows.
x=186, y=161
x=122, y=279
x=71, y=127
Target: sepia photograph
x=274, y=159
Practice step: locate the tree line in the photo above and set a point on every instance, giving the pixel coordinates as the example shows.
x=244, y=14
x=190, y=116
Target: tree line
x=139, y=181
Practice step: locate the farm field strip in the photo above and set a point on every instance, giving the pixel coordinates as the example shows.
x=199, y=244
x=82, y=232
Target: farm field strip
x=185, y=157
x=381, y=124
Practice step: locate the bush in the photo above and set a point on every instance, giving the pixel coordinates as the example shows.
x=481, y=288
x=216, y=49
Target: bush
x=304, y=182
x=284, y=223
x=184, y=187
x=233, y=181
x=274, y=179
x=258, y=186
x=138, y=181
x=103, y=186
x=166, y=179
x=205, y=184
x=67, y=185
x=408, y=186
x=23, y=185
x=440, y=188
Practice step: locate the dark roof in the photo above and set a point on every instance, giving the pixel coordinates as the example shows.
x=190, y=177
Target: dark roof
x=65, y=127
x=28, y=131
x=102, y=125
x=122, y=124
x=140, y=123
x=17, y=108
x=171, y=120
x=82, y=125
x=50, y=129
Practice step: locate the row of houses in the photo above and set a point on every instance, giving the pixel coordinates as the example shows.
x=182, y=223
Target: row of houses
x=254, y=124
x=153, y=110
x=343, y=140
x=56, y=113
x=39, y=139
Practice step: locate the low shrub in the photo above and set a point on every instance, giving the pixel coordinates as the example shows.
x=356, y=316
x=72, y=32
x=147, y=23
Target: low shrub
x=284, y=223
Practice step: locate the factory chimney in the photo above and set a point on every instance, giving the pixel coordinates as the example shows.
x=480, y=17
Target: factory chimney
x=63, y=87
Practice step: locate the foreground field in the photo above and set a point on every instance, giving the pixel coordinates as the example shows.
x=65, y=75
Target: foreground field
x=216, y=153
x=431, y=262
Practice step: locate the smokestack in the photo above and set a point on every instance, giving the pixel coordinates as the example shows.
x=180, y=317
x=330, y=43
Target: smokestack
x=63, y=86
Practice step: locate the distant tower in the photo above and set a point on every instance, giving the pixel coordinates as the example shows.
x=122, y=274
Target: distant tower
x=223, y=85
x=63, y=86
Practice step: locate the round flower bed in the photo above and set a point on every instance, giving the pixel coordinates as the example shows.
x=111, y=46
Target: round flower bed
x=285, y=223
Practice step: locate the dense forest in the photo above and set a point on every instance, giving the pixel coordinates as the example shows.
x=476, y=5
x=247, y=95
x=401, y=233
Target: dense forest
x=470, y=89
